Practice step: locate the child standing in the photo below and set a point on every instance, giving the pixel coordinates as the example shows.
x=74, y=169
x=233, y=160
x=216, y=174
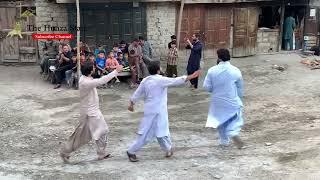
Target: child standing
x=172, y=61
x=155, y=121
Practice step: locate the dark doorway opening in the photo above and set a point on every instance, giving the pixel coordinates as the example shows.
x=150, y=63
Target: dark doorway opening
x=269, y=17
x=298, y=13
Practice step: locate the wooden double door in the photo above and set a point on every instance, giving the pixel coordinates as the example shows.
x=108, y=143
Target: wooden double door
x=14, y=49
x=211, y=22
x=214, y=23
x=245, y=31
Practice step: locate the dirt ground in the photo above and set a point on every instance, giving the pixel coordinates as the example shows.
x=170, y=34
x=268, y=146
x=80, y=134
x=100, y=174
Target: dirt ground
x=282, y=125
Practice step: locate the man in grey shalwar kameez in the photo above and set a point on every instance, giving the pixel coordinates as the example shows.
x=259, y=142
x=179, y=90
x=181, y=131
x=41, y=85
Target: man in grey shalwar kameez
x=155, y=121
x=92, y=124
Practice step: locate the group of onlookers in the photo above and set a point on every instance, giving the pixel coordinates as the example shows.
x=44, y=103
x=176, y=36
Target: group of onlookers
x=134, y=57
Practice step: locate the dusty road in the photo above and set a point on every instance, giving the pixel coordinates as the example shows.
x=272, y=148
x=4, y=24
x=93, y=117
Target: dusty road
x=281, y=109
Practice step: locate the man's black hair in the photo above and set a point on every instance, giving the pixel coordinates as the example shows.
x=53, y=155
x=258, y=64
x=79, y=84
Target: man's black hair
x=141, y=38
x=153, y=67
x=90, y=54
x=101, y=52
x=197, y=35
x=173, y=37
x=122, y=42
x=118, y=54
x=136, y=40
x=63, y=45
x=87, y=68
x=115, y=45
x=223, y=54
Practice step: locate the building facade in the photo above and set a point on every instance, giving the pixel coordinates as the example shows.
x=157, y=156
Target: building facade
x=245, y=27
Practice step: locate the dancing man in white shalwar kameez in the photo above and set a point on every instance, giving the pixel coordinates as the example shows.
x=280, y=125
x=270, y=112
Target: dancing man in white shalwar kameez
x=155, y=121
x=225, y=84
x=92, y=124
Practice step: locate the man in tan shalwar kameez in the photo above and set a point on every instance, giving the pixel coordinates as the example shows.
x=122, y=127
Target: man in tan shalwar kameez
x=92, y=124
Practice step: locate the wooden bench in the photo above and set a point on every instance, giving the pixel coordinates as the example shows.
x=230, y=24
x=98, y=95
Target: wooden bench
x=124, y=74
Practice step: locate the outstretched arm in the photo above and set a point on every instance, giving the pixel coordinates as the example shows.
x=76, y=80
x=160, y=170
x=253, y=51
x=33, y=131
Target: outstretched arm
x=168, y=82
x=104, y=79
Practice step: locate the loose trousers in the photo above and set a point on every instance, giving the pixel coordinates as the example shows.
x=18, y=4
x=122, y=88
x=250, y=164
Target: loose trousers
x=230, y=129
x=147, y=136
x=81, y=136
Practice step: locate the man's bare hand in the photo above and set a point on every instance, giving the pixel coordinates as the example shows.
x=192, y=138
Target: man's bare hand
x=130, y=108
x=119, y=68
x=194, y=75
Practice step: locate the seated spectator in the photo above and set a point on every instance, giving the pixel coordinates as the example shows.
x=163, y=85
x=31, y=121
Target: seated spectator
x=98, y=50
x=100, y=65
x=115, y=50
x=91, y=58
x=64, y=42
x=122, y=60
x=72, y=73
x=51, y=50
x=82, y=59
x=111, y=65
x=84, y=48
x=64, y=64
x=123, y=46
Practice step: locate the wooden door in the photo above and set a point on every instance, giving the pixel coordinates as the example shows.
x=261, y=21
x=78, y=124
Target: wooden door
x=217, y=27
x=193, y=21
x=94, y=24
x=126, y=26
x=245, y=31
x=9, y=51
x=139, y=17
x=115, y=22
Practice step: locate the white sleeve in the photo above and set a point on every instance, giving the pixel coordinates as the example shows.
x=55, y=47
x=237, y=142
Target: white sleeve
x=167, y=82
x=207, y=84
x=139, y=93
x=101, y=81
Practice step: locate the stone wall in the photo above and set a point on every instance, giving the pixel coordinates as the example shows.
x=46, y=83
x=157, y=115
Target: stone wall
x=267, y=40
x=50, y=14
x=161, y=24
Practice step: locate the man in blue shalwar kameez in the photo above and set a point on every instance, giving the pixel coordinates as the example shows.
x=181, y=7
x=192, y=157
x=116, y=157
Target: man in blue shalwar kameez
x=224, y=82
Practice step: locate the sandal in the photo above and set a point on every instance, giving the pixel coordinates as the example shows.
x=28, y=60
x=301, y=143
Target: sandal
x=238, y=142
x=132, y=157
x=104, y=157
x=65, y=158
x=169, y=153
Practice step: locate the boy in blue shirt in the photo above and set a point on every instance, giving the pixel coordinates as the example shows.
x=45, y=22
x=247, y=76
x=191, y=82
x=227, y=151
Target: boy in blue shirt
x=100, y=64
